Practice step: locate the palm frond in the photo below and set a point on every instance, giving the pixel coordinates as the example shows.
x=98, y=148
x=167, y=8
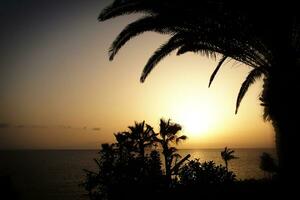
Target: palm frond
x=123, y=8
x=204, y=49
x=177, y=165
x=165, y=49
x=211, y=41
x=230, y=157
x=231, y=152
x=148, y=23
x=250, y=79
x=217, y=69
x=174, y=128
x=172, y=150
x=171, y=138
x=183, y=137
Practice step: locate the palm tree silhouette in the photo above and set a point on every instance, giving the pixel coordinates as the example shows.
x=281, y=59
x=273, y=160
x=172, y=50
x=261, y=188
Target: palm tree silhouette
x=143, y=136
x=168, y=134
x=252, y=32
x=227, y=155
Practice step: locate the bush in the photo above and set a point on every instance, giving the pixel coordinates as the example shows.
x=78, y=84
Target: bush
x=119, y=172
x=196, y=173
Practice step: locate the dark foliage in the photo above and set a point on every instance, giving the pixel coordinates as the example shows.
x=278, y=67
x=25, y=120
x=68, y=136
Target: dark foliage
x=127, y=172
x=196, y=173
x=124, y=165
x=119, y=172
x=267, y=164
x=168, y=135
x=227, y=155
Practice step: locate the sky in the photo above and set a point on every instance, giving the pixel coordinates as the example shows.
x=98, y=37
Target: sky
x=58, y=90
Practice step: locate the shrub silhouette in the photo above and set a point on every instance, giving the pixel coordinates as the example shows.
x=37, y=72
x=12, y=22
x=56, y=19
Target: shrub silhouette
x=196, y=173
x=124, y=165
x=119, y=172
x=267, y=164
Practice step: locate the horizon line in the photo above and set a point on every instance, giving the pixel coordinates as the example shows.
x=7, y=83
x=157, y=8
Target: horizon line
x=96, y=149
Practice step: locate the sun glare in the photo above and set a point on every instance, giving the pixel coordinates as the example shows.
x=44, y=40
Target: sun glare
x=196, y=118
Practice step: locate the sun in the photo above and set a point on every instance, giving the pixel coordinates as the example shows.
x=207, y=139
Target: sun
x=193, y=123
x=196, y=118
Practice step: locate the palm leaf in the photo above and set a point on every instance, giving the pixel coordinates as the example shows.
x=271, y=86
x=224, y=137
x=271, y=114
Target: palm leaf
x=183, y=137
x=117, y=9
x=165, y=49
x=204, y=49
x=250, y=79
x=177, y=166
x=217, y=69
x=148, y=23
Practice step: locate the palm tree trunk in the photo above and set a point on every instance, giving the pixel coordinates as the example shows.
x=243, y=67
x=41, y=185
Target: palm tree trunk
x=167, y=163
x=168, y=170
x=282, y=105
x=287, y=148
x=142, y=151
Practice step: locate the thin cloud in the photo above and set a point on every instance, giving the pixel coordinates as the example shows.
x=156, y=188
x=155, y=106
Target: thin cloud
x=96, y=129
x=29, y=126
x=4, y=125
x=34, y=126
x=64, y=126
x=38, y=126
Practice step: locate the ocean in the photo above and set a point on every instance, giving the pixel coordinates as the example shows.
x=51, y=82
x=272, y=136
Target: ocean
x=56, y=174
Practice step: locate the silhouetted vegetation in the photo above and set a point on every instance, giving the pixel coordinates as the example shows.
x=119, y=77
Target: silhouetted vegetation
x=125, y=165
x=132, y=168
x=267, y=164
x=7, y=190
x=168, y=134
x=259, y=34
x=196, y=173
x=227, y=155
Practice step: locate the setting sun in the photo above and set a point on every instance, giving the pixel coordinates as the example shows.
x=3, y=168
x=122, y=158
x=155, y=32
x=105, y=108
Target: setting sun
x=196, y=117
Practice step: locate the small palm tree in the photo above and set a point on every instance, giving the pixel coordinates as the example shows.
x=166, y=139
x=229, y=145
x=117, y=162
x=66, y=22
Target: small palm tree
x=227, y=155
x=137, y=139
x=142, y=136
x=168, y=134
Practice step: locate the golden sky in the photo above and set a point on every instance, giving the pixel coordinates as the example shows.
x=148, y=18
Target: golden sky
x=58, y=89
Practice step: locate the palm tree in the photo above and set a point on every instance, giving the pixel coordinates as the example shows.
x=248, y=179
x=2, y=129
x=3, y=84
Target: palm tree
x=136, y=140
x=142, y=136
x=252, y=32
x=227, y=155
x=168, y=134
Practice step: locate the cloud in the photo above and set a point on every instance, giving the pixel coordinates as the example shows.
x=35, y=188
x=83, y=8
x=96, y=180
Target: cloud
x=34, y=126
x=4, y=125
x=64, y=126
x=96, y=129
x=37, y=126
